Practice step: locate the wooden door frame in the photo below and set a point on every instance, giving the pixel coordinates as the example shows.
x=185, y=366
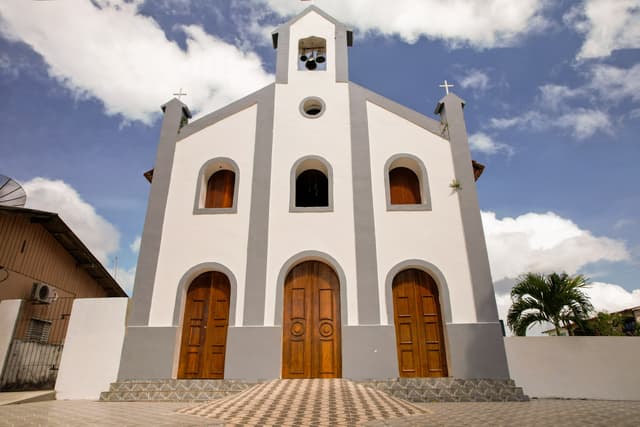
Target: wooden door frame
x=436, y=275
x=189, y=277
x=338, y=300
x=441, y=313
x=185, y=290
x=298, y=259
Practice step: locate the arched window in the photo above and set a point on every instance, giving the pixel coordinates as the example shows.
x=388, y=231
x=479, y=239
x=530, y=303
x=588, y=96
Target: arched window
x=312, y=189
x=217, y=187
x=407, y=186
x=404, y=187
x=311, y=185
x=220, y=189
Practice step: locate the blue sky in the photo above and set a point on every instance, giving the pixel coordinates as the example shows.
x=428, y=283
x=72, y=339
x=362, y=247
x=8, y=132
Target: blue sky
x=552, y=91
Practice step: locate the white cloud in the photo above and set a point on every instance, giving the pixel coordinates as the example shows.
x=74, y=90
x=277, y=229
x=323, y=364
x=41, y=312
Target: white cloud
x=484, y=143
x=98, y=234
x=110, y=52
x=475, y=79
x=607, y=85
x=615, y=84
x=611, y=298
x=486, y=24
x=584, y=123
x=555, y=96
x=608, y=25
x=542, y=243
x=135, y=245
x=531, y=119
x=581, y=122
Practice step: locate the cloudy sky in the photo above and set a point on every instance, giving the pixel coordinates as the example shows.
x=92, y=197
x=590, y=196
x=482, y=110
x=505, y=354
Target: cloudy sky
x=552, y=91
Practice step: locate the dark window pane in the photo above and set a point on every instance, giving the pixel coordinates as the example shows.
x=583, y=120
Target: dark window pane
x=312, y=189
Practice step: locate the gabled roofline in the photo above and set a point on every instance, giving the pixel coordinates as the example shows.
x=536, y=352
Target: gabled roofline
x=418, y=119
x=325, y=15
x=60, y=231
x=224, y=112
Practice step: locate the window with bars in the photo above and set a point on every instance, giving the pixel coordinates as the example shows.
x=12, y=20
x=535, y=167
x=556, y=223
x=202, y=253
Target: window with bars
x=38, y=330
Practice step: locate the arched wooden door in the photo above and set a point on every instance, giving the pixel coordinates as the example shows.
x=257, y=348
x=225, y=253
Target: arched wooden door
x=311, y=342
x=204, y=328
x=419, y=332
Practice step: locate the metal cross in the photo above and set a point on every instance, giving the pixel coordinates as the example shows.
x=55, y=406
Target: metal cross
x=446, y=86
x=179, y=94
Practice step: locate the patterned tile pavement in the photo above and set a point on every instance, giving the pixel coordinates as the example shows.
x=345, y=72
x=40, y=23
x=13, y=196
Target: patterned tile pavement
x=537, y=412
x=89, y=413
x=543, y=412
x=312, y=402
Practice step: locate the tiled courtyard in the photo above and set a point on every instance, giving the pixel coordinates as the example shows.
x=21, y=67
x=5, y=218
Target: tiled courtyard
x=306, y=402
x=321, y=403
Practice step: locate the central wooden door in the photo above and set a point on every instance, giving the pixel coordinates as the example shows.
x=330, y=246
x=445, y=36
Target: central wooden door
x=311, y=342
x=204, y=328
x=419, y=333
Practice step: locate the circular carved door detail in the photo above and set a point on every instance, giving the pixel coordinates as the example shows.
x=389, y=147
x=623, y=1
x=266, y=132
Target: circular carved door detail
x=311, y=346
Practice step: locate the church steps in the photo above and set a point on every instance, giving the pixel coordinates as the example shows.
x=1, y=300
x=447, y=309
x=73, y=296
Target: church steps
x=450, y=389
x=172, y=390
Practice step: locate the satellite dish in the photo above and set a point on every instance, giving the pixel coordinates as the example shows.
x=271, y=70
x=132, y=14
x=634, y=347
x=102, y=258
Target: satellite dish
x=11, y=193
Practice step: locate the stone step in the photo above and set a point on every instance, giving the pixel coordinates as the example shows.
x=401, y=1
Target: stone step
x=172, y=390
x=450, y=390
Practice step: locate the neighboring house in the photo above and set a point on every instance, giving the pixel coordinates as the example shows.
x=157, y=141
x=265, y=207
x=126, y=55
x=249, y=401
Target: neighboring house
x=627, y=322
x=43, y=267
x=313, y=229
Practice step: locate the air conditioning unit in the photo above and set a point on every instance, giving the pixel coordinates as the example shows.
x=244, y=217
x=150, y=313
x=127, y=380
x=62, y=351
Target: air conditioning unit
x=43, y=293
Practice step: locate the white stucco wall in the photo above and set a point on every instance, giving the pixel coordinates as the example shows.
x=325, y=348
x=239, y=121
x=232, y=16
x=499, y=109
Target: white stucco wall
x=9, y=310
x=296, y=136
x=435, y=236
x=91, y=354
x=188, y=239
x=576, y=367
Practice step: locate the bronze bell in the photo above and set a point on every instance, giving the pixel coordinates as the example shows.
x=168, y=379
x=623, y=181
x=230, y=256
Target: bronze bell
x=320, y=59
x=311, y=64
x=303, y=58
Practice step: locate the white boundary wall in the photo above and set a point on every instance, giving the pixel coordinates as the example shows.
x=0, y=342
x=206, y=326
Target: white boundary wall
x=576, y=367
x=9, y=311
x=91, y=355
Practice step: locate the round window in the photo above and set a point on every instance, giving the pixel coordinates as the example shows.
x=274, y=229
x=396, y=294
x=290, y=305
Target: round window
x=312, y=107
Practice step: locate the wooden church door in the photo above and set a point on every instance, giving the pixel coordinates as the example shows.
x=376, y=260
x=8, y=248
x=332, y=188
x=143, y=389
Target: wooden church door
x=204, y=328
x=311, y=343
x=419, y=333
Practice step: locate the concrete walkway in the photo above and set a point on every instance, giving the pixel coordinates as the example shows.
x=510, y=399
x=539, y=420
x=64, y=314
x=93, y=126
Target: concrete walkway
x=316, y=406
x=13, y=397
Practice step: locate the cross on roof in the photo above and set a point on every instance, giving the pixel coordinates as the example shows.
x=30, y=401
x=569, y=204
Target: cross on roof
x=179, y=94
x=446, y=86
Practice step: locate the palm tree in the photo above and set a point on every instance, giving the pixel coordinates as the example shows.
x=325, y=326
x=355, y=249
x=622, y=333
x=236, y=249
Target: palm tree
x=555, y=298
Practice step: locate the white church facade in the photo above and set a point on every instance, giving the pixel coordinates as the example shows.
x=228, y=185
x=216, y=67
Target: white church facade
x=313, y=229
